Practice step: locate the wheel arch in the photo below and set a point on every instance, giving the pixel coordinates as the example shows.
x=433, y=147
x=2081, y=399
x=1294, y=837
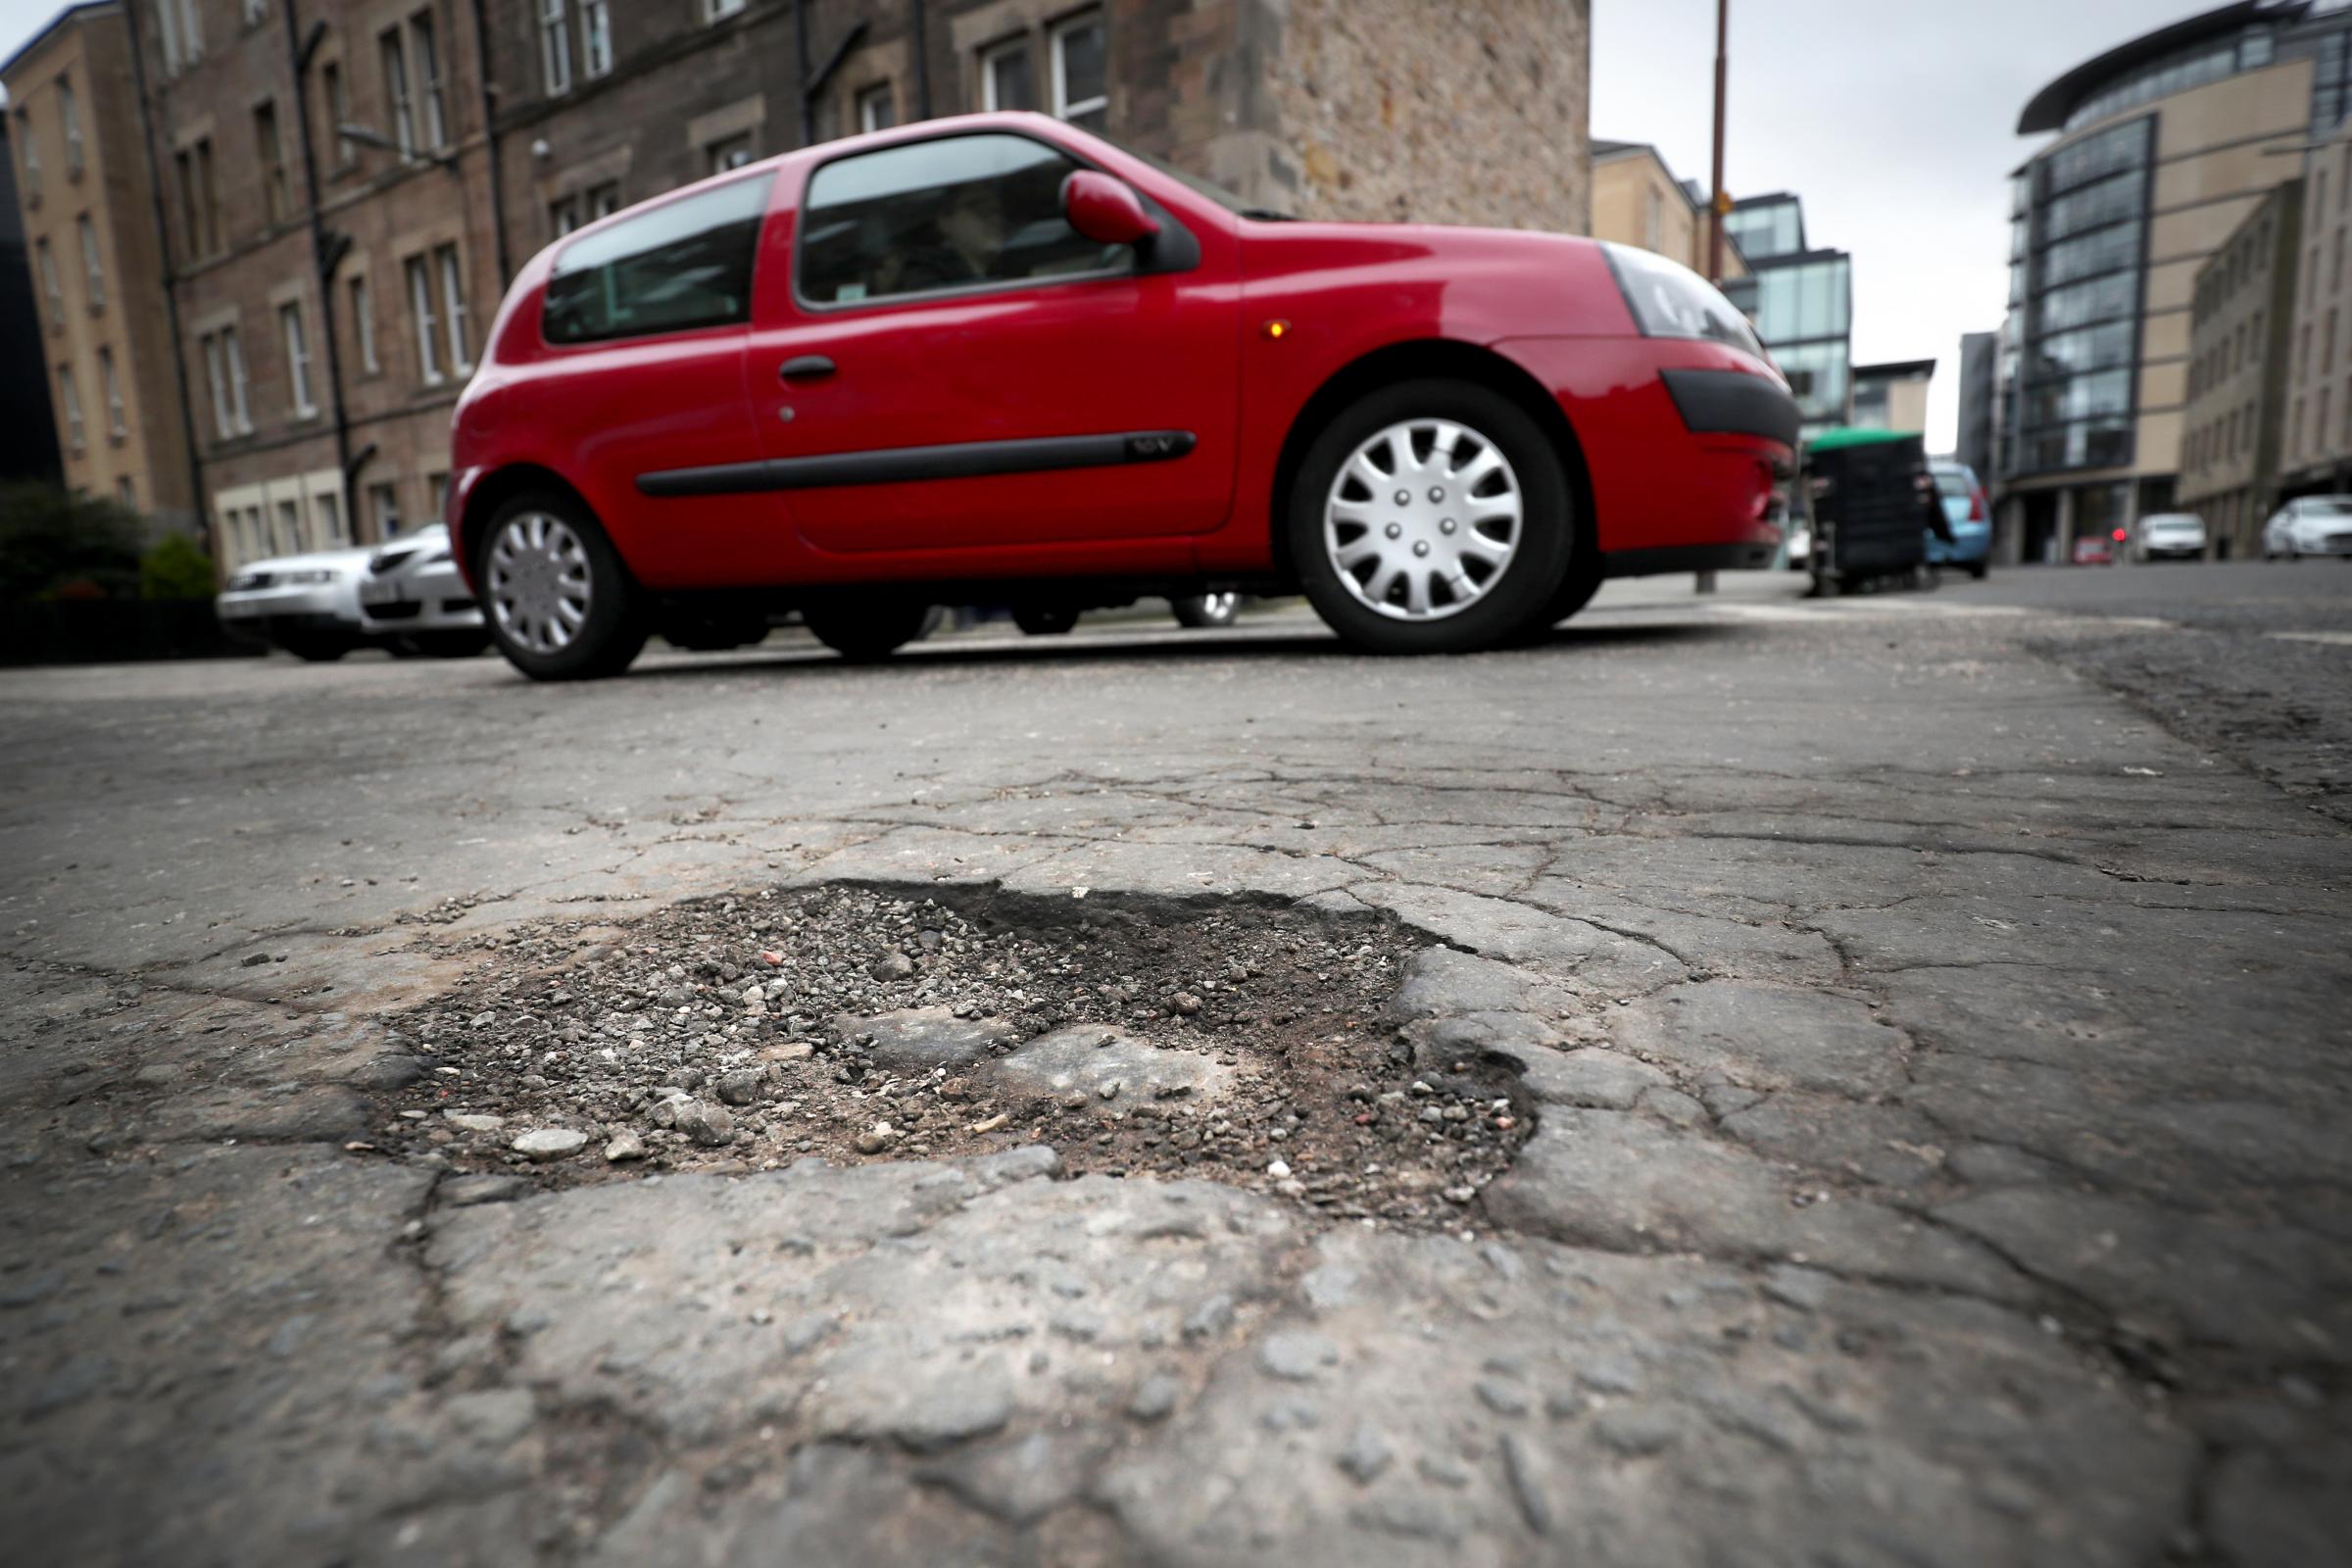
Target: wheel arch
x=493, y=491
x=1414, y=359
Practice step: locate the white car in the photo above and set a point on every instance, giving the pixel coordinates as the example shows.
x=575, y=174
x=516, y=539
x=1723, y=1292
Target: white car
x=307, y=605
x=2309, y=525
x=412, y=600
x=2172, y=536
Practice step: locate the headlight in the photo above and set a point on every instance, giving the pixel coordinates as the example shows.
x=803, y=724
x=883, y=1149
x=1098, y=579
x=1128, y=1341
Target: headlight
x=1669, y=300
x=309, y=578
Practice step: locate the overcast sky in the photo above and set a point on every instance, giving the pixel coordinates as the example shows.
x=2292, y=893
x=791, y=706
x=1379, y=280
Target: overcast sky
x=1893, y=118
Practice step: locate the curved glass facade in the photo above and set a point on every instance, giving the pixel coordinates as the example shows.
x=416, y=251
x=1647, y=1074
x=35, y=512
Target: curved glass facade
x=2077, y=265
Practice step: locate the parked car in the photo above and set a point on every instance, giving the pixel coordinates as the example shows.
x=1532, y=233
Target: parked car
x=1968, y=516
x=307, y=605
x=2172, y=536
x=997, y=358
x=2095, y=550
x=2309, y=525
x=412, y=599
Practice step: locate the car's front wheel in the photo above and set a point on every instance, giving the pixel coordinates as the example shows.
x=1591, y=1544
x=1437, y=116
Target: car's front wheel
x=1431, y=517
x=559, y=604
x=864, y=628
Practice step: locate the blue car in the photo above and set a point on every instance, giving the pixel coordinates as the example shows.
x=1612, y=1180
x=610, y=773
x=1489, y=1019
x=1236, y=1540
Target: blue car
x=1971, y=519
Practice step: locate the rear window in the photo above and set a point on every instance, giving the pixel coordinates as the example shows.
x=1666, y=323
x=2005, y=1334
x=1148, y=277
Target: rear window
x=1954, y=485
x=685, y=263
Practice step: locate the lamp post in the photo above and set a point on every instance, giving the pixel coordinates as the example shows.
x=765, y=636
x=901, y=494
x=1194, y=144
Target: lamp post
x=1718, y=208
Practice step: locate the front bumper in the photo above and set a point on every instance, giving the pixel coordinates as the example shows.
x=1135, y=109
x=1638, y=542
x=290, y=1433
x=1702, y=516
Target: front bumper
x=435, y=599
x=322, y=607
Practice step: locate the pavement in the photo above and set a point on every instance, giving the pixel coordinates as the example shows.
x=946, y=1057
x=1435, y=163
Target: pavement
x=1931, y=1008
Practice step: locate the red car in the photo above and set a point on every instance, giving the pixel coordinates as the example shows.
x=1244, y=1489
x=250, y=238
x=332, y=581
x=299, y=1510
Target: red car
x=997, y=360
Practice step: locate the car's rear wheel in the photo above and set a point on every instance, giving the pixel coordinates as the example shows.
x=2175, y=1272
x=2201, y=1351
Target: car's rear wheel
x=863, y=627
x=1431, y=517
x=559, y=602
x=1201, y=611
x=1045, y=620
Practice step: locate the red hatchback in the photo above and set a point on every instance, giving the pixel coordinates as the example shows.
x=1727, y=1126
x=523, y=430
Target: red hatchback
x=999, y=360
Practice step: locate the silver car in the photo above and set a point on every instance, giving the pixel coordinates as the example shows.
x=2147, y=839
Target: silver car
x=2309, y=525
x=412, y=600
x=307, y=605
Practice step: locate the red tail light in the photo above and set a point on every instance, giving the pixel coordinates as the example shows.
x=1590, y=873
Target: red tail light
x=1976, y=502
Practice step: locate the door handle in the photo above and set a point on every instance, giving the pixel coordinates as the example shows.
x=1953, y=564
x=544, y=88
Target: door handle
x=805, y=368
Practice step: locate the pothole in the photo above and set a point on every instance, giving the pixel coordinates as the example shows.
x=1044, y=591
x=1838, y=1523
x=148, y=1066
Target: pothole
x=1243, y=1043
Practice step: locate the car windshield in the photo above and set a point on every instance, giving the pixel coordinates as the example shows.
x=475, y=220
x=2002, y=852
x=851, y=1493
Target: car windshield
x=1201, y=187
x=2327, y=507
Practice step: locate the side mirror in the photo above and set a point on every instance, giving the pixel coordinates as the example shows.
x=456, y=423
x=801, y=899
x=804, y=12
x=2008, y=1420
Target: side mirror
x=1105, y=209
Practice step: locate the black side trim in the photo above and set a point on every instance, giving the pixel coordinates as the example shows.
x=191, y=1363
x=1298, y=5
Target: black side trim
x=1687, y=558
x=970, y=460
x=1733, y=403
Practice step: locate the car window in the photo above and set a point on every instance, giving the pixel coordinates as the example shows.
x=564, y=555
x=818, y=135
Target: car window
x=2329, y=506
x=1951, y=484
x=958, y=212
x=684, y=263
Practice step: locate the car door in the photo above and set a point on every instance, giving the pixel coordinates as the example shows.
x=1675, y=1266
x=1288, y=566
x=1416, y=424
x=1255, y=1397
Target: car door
x=646, y=320
x=958, y=369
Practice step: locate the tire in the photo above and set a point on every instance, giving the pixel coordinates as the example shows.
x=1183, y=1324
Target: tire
x=315, y=647
x=1045, y=620
x=1524, y=563
x=556, y=596
x=1201, y=611
x=862, y=628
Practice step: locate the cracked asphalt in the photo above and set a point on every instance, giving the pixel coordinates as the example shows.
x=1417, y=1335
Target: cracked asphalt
x=1931, y=1009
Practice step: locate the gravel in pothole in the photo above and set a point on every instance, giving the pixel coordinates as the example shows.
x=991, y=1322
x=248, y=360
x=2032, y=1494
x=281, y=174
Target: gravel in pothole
x=1250, y=1045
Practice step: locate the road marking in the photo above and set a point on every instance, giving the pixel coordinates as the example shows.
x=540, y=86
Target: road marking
x=2333, y=639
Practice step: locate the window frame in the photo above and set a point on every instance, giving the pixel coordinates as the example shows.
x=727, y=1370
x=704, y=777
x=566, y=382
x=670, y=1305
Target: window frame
x=93, y=269
x=239, y=384
x=595, y=27
x=884, y=92
x=417, y=272
x=400, y=93
x=297, y=335
x=710, y=153
x=688, y=193
x=1169, y=222
x=553, y=26
x=989, y=54
x=360, y=290
x=424, y=45
x=69, y=118
x=1057, y=74
x=53, y=291
x=450, y=270
x=70, y=394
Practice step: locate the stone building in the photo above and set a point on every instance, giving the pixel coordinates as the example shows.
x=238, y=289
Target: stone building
x=1638, y=201
x=2315, y=441
x=351, y=182
x=1893, y=395
x=2243, y=322
x=87, y=200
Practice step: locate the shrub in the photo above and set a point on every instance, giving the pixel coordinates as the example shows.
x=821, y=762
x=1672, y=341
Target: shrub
x=176, y=567
x=51, y=540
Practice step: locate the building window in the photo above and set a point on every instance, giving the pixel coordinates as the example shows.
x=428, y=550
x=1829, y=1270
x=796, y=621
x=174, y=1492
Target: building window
x=719, y=10
x=125, y=497
x=257, y=12
x=604, y=199
x=288, y=540
x=562, y=215
x=1081, y=84
x=877, y=108
x=554, y=46
x=167, y=35
x=191, y=30
x=428, y=78
x=327, y=509
x=384, y=501
x=225, y=372
x=426, y=323
x=731, y=152
x=1654, y=219
x=278, y=193
x=118, y=421
x=362, y=324
x=453, y=306
x=68, y=115
x=1007, y=78
x=396, y=90
x=32, y=156
x=298, y=358
x=436, y=485
x=51, y=293
x=70, y=399
x=338, y=113
x=596, y=38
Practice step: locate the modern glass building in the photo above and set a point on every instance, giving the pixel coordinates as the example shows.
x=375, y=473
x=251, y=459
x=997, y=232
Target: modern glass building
x=1802, y=303
x=2158, y=149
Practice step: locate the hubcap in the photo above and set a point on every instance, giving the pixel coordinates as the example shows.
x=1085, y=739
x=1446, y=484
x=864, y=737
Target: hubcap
x=1423, y=519
x=539, y=582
